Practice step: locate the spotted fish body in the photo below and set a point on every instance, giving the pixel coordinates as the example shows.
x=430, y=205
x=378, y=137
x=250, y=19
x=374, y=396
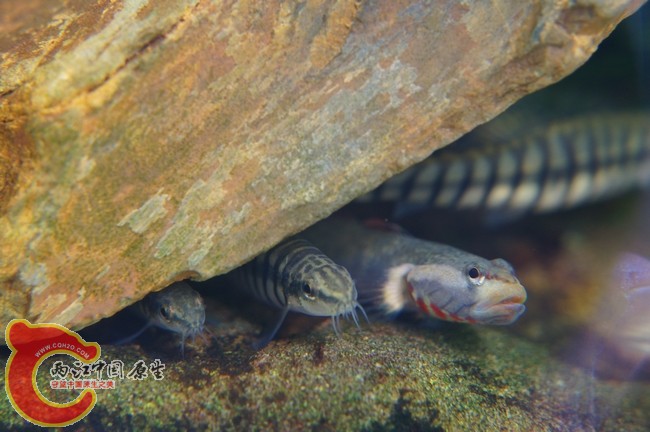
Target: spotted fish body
x=394, y=271
x=178, y=308
x=563, y=165
x=296, y=276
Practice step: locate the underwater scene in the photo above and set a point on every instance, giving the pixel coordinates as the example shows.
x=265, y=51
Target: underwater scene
x=503, y=284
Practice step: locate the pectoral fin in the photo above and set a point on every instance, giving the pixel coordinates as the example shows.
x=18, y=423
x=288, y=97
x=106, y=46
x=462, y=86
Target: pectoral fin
x=265, y=339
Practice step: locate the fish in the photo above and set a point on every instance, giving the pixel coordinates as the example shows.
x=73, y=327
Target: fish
x=178, y=309
x=621, y=328
x=395, y=272
x=296, y=276
x=566, y=163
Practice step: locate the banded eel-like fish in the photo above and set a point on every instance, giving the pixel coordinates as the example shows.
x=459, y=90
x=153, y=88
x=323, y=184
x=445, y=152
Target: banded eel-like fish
x=394, y=271
x=178, y=309
x=562, y=165
x=296, y=276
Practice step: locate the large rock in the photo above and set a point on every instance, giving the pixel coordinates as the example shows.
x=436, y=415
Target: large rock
x=145, y=142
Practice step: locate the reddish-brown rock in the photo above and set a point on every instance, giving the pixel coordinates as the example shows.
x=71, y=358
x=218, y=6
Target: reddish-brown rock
x=144, y=142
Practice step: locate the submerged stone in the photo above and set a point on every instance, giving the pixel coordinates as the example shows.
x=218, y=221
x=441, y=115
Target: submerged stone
x=144, y=142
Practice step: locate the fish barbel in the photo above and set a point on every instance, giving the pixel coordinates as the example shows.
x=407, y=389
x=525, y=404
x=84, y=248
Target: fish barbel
x=394, y=271
x=178, y=308
x=296, y=276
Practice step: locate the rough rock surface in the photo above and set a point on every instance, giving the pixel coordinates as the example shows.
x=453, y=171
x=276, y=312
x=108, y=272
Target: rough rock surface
x=144, y=142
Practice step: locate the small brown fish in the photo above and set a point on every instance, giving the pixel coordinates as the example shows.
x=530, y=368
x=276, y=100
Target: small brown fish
x=178, y=308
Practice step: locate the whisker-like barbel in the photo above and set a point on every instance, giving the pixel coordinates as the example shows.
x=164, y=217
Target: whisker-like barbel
x=178, y=308
x=296, y=276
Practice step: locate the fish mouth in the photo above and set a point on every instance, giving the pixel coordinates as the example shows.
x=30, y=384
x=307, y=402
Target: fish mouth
x=504, y=312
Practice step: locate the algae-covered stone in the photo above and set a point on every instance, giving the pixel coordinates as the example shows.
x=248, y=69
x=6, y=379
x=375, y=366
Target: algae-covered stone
x=384, y=378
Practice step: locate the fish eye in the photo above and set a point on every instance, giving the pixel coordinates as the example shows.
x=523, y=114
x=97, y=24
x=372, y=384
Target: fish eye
x=307, y=290
x=165, y=313
x=475, y=275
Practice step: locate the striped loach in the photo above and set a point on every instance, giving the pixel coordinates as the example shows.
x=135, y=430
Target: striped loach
x=562, y=165
x=296, y=276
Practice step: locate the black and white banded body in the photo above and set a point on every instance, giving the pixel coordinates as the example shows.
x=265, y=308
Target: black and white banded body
x=565, y=164
x=296, y=276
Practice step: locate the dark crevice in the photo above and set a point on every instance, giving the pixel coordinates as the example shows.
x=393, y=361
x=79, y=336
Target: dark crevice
x=153, y=42
x=7, y=93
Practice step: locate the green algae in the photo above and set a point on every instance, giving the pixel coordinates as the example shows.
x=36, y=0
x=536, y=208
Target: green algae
x=387, y=377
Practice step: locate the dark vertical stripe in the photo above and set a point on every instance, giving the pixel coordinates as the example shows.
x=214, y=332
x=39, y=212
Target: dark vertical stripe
x=642, y=135
x=272, y=281
x=630, y=151
x=438, y=183
x=569, y=144
x=260, y=271
x=616, y=144
x=491, y=180
x=279, y=267
x=464, y=182
x=536, y=148
x=269, y=282
x=644, y=142
x=596, y=137
x=278, y=270
x=586, y=143
x=517, y=176
x=280, y=293
x=407, y=187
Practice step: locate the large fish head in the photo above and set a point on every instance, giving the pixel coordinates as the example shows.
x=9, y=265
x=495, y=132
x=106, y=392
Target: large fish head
x=177, y=308
x=326, y=290
x=472, y=290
